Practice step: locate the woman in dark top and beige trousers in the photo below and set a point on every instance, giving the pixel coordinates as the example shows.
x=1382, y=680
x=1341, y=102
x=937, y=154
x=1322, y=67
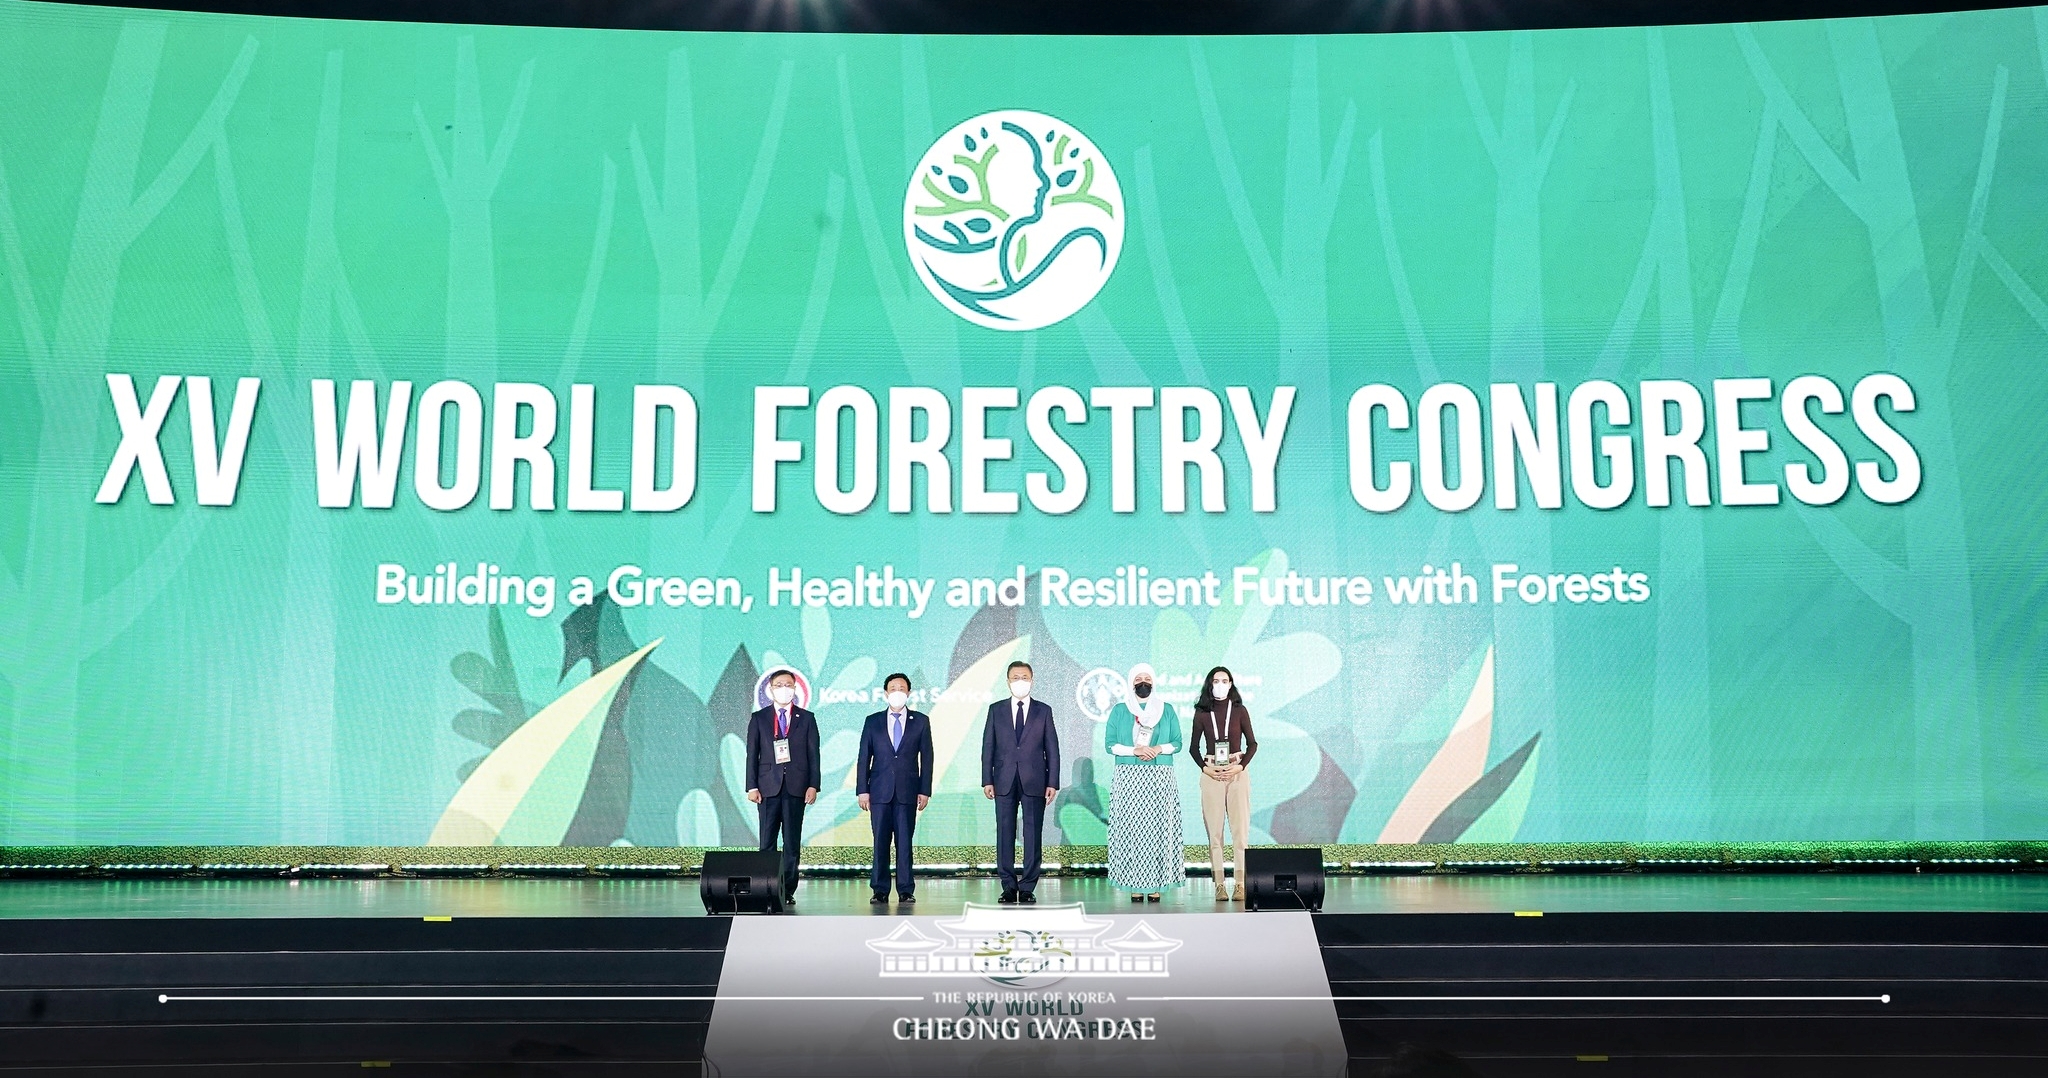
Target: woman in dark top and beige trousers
x=1221, y=742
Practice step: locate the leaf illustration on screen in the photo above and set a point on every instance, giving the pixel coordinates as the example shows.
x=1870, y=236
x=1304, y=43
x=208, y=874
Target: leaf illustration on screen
x=658, y=745
x=1272, y=672
x=1456, y=797
x=1491, y=809
x=497, y=683
x=528, y=791
x=732, y=701
x=1317, y=813
x=1083, y=808
x=1457, y=763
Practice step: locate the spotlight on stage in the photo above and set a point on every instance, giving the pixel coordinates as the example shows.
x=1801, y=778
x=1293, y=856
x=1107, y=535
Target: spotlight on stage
x=735, y=881
x=1283, y=879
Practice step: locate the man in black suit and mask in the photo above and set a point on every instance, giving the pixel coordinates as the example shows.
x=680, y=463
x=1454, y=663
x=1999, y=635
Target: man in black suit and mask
x=782, y=771
x=1020, y=771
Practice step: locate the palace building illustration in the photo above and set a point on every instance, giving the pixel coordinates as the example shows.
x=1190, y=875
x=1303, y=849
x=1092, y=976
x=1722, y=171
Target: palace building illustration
x=995, y=941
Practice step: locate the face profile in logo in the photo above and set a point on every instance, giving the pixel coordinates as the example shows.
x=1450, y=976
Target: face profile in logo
x=1013, y=220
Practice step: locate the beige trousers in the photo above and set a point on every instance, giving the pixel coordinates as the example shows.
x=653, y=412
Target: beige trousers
x=1227, y=798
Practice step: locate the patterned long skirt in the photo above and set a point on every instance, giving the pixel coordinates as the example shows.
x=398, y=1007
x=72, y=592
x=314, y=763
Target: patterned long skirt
x=1145, y=852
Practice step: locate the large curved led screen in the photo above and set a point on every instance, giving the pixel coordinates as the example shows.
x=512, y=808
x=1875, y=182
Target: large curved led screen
x=422, y=433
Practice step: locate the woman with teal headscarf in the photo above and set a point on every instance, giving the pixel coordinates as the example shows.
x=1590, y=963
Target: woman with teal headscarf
x=1143, y=735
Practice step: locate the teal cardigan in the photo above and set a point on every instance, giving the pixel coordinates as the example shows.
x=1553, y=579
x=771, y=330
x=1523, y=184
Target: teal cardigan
x=1118, y=731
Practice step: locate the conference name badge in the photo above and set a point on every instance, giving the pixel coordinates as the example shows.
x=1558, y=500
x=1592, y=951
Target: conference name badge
x=781, y=750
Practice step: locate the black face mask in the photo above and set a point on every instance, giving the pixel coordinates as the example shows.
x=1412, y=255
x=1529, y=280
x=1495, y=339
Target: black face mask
x=1142, y=689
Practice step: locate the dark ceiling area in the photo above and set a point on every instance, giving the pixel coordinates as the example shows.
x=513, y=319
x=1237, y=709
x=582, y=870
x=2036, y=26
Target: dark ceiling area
x=1072, y=16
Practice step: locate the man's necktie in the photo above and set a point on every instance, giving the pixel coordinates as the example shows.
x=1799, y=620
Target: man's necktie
x=896, y=732
x=1019, y=722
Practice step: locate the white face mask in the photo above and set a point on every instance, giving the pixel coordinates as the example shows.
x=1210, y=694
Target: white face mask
x=897, y=699
x=1220, y=689
x=782, y=694
x=1020, y=688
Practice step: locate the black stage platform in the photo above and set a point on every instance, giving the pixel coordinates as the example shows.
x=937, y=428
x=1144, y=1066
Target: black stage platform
x=1497, y=976
x=1605, y=893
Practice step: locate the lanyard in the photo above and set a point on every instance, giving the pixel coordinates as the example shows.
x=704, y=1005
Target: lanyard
x=1216, y=731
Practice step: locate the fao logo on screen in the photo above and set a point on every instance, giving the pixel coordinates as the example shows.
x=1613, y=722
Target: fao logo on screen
x=1013, y=220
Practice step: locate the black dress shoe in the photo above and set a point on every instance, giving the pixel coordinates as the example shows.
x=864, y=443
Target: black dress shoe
x=906, y=900
x=1009, y=898
x=789, y=900
x=879, y=898
x=1028, y=898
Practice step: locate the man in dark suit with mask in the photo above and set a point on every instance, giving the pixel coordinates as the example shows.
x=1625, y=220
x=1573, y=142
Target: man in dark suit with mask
x=1020, y=771
x=782, y=771
x=892, y=778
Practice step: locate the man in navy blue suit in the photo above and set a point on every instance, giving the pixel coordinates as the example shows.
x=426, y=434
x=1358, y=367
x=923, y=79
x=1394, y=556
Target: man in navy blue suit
x=1020, y=771
x=892, y=777
x=782, y=771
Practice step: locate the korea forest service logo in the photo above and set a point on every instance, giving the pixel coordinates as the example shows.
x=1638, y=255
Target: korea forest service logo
x=1013, y=220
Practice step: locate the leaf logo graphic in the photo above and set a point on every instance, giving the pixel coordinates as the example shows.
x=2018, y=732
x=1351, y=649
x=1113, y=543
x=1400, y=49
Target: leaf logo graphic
x=1013, y=220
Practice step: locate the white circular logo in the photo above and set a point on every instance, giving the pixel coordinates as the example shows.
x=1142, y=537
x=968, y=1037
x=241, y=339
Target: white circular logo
x=1013, y=220
x=1099, y=690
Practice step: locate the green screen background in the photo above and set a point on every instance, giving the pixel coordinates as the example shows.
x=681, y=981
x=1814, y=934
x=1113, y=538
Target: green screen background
x=201, y=194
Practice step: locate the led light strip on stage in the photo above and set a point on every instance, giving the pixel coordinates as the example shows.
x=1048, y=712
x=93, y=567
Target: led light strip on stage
x=321, y=997
x=1885, y=998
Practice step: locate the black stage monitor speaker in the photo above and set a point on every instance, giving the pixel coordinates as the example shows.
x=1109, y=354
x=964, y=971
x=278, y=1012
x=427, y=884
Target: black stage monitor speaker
x=1283, y=879
x=736, y=881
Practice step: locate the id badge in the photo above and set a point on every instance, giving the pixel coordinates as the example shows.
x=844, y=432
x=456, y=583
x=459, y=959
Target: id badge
x=781, y=750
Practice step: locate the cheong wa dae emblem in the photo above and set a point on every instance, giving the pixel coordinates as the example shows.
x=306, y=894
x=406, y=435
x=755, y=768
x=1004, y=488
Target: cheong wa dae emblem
x=1010, y=946
x=1013, y=220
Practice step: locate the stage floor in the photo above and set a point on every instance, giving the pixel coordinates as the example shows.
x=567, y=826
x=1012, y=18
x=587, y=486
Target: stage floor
x=64, y=899
x=1665, y=976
